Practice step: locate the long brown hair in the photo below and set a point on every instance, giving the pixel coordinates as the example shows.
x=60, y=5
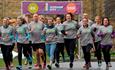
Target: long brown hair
x=72, y=16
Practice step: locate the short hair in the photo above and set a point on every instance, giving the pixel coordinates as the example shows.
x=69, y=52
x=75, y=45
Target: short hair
x=85, y=14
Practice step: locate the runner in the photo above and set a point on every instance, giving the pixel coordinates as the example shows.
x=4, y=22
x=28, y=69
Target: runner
x=7, y=40
x=27, y=18
x=60, y=42
x=22, y=38
x=106, y=33
x=50, y=32
x=36, y=31
x=97, y=40
x=70, y=32
x=86, y=41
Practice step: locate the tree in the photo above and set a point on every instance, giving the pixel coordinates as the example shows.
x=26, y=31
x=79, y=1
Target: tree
x=109, y=6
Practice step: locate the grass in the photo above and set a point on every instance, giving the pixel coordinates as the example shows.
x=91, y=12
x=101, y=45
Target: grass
x=1, y=63
x=15, y=61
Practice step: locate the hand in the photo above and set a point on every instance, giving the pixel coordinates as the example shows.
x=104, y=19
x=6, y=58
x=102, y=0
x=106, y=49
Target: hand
x=47, y=40
x=92, y=50
x=78, y=36
x=63, y=32
x=25, y=41
x=4, y=39
x=93, y=39
x=66, y=33
x=43, y=32
x=95, y=29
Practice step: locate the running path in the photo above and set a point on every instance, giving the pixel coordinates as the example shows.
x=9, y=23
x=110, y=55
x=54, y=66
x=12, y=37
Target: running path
x=78, y=65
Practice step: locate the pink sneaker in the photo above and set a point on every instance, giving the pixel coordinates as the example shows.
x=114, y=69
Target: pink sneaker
x=36, y=65
x=44, y=65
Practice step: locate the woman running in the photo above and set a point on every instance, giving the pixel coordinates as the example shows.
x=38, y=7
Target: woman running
x=86, y=41
x=7, y=40
x=27, y=18
x=50, y=33
x=70, y=31
x=11, y=21
x=22, y=39
x=97, y=40
x=106, y=33
x=60, y=42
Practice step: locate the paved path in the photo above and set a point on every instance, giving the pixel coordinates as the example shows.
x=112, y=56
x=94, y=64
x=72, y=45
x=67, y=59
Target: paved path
x=77, y=66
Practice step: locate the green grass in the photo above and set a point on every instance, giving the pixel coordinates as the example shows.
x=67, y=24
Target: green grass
x=15, y=61
x=113, y=53
x=1, y=63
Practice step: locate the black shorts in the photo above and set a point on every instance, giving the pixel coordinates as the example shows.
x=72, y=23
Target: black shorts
x=36, y=46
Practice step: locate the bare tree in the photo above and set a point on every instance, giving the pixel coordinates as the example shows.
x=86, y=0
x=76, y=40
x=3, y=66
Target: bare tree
x=109, y=8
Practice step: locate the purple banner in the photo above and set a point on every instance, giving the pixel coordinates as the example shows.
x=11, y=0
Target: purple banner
x=58, y=7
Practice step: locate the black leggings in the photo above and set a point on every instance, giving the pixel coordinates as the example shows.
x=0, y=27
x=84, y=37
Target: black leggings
x=25, y=48
x=70, y=45
x=106, y=52
x=86, y=52
x=59, y=49
x=30, y=48
x=11, y=54
x=98, y=50
x=6, y=52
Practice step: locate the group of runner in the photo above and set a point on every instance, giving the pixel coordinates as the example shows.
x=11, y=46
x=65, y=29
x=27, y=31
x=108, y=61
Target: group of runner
x=49, y=36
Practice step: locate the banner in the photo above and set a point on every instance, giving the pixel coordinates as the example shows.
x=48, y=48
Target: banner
x=55, y=7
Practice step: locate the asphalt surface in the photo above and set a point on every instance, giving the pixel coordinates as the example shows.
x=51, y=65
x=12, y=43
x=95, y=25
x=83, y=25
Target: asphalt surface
x=78, y=65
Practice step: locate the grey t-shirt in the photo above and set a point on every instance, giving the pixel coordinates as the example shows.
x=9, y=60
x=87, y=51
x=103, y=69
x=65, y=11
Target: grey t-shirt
x=95, y=27
x=106, y=35
x=36, y=29
x=85, y=36
x=22, y=33
x=7, y=35
x=50, y=34
x=60, y=36
x=70, y=27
